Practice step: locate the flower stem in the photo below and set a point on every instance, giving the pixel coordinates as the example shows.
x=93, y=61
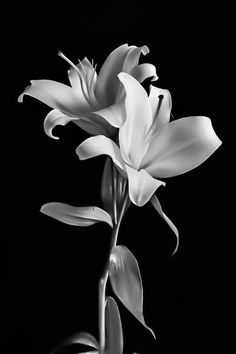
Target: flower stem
x=104, y=277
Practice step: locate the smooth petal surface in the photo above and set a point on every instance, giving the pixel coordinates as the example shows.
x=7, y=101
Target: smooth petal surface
x=180, y=146
x=141, y=185
x=107, y=82
x=161, y=107
x=132, y=134
x=157, y=206
x=54, y=118
x=113, y=332
x=123, y=58
x=114, y=114
x=100, y=145
x=126, y=281
x=143, y=71
x=55, y=95
x=76, y=216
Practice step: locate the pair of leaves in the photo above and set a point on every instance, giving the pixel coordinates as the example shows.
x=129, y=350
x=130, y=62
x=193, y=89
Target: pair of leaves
x=113, y=333
x=126, y=281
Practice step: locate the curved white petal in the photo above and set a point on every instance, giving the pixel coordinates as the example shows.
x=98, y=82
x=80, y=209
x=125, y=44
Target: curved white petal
x=107, y=82
x=142, y=71
x=100, y=145
x=123, y=58
x=132, y=134
x=114, y=114
x=157, y=206
x=141, y=186
x=76, y=216
x=180, y=146
x=161, y=104
x=55, y=95
x=53, y=118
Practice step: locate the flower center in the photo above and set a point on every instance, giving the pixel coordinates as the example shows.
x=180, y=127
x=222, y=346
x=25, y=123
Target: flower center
x=86, y=78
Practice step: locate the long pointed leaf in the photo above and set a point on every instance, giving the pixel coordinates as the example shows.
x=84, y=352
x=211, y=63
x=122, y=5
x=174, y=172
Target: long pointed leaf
x=126, y=281
x=156, y=204
x=76, y=216
x=114, y=333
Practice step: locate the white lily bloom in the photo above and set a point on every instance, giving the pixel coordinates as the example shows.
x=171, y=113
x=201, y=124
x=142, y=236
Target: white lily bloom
x=150, y=146
x=92, y=101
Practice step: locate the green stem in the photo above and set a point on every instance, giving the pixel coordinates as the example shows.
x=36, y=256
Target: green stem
x=104, y=277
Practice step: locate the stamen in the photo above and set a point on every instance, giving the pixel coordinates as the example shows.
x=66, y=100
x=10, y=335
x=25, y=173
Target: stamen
x=68, y=61
x=151, y=128
x=79, y=74
x=91, y=81
x=82, y=67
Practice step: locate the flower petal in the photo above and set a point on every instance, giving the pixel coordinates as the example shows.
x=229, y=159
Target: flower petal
x=141, y=185
x=132, y=134
x=100, y=145
x=142, y=71
x=55, y=95
x=126, y=281
x=157, y=206
x=114, y=114
x=107, y=82
x=161, y=107
x=180, y=146
x=54, y=118
x=76, y=216
x=123, y=58
x=114, y=333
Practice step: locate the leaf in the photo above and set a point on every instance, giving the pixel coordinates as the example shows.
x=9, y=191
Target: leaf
x=76, y=216
x=126, y=281
x=114, y=333
x=156, y=204
x=80, y=338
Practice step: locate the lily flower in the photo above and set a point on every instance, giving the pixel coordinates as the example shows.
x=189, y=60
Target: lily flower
x=152, y=147
x=92, y=101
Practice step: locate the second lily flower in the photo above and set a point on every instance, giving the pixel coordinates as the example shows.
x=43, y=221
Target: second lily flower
x=150, y=146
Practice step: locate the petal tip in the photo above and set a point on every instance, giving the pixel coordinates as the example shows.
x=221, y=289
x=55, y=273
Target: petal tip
x=145, y=50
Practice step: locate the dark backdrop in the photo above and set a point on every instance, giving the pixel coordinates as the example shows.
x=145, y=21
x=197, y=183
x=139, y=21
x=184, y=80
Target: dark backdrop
x=51, y=270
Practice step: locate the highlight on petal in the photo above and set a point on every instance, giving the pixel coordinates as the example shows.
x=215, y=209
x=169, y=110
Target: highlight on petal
x=113, y=328
x=157, y=206
x=126, y=282
x=180, y=146
x=132, y=134
x=55, y=95
x=76, y=216
x=161, y=104
x=100, y=145
x=141, y=185
x=54, y=118
x=143, y=71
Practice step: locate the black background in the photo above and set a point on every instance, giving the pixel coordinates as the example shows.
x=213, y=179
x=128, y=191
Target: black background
x=51, y=270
